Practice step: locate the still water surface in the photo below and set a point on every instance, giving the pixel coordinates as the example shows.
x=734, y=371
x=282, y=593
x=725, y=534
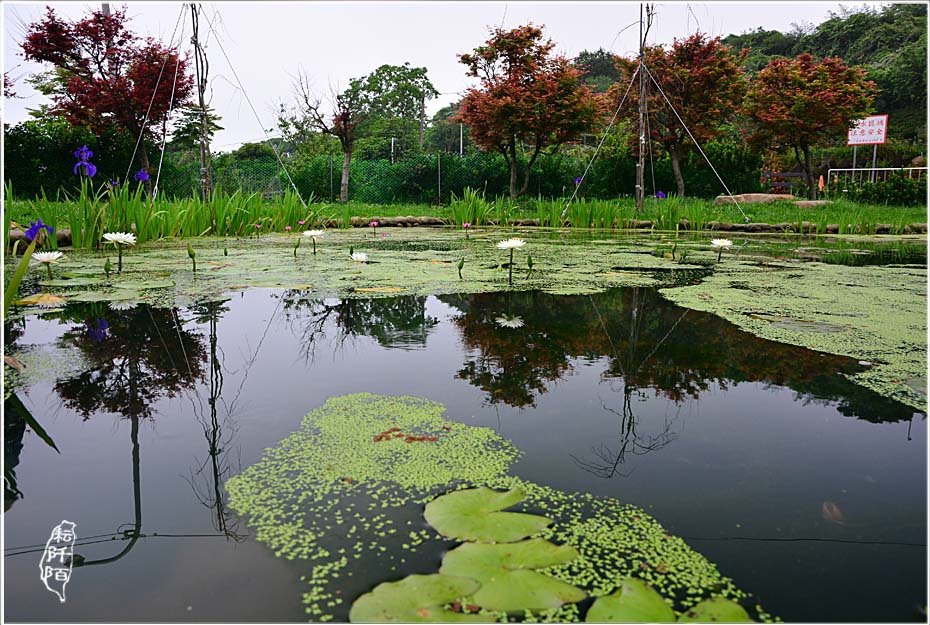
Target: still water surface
x=805, y=488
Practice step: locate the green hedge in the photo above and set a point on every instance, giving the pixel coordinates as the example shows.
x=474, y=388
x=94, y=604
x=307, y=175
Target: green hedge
x=898, y=190
x=420, y=179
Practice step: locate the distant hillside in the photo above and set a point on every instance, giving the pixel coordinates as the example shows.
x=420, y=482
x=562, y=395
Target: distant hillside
x=890, y=43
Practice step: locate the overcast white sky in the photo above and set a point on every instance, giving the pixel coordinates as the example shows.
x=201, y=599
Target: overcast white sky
x=335, y=41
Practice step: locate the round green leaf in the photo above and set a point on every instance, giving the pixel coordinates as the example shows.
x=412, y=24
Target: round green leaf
x=73, y=282
x=474, y=515
x=508, y=582
x=634, y=602
x=142, y=285
x=98, y=296
x=716, y=610
x=415, y=599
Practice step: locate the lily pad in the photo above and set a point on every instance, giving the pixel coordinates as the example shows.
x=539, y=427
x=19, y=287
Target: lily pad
x=73, y=282
x=100, y=296
x=380, y=289
x=475, y=515
x=415, y=599
x=41, y=299
x=508, y=582
x=75, y=270
x=142, y=285
x=716, y=610
x=634, y=602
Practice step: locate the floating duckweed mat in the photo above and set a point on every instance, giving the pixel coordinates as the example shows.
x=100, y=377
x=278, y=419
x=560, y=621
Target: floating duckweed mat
x=346, y=494
x=406, y=261
x=873, y=313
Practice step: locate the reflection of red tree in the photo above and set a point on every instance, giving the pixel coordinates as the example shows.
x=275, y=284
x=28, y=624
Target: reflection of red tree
x=147, y=354
x=649, y=342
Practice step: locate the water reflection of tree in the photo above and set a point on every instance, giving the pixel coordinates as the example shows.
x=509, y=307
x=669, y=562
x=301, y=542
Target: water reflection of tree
x=136, y=356
x=14, y=429
x=394, y=322
x=608, y=457
x=131, y=535
x=207, y=480
x=649, y=343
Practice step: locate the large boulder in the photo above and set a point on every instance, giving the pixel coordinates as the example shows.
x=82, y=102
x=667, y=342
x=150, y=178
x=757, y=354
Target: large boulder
x=753, y=198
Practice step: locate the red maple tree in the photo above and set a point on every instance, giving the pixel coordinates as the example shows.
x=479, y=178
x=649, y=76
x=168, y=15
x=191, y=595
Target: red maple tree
x=106, y=76
x=704, y=84
x=528, y=96
x=801, y=102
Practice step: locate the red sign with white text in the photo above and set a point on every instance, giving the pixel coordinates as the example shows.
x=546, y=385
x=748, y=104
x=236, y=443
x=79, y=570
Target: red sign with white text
x=869, y=131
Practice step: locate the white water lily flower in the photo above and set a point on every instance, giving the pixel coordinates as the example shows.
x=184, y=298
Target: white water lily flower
x=122, y=305
x=313, y=233
x=509, y=322
x=47, y=257
x=120, y=238
x=721, y=243
x=510, y=244
x=360, y=257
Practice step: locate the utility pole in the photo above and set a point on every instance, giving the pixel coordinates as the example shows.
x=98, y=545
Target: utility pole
x=202, y=69
x=641, y=144
x=422, y=120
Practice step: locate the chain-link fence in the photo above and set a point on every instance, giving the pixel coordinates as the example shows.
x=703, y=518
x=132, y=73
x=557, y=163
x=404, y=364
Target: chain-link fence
x=436, y=178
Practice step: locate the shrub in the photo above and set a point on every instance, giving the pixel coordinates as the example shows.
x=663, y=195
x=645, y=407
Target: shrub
x=897, y=190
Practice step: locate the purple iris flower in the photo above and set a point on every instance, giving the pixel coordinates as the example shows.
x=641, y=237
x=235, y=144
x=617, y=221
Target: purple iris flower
x=578, y=181
x=35, y=227
x=661, y=195
x=83, y=153
x=84, y=165
x=97, y=330
x=114, y=182
x=141, y=175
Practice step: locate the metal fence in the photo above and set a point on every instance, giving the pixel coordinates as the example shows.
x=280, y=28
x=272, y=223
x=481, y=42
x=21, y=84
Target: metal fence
x=854, y=177
x=424, y=178
x=437, y=178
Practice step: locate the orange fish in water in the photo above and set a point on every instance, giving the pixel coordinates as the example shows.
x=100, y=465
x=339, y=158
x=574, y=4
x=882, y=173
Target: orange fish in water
x=832, y=513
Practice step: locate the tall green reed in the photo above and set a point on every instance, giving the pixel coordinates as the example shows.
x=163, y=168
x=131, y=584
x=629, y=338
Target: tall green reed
x=472, y=208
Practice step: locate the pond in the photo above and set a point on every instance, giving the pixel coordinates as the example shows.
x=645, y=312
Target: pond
x=806, y=489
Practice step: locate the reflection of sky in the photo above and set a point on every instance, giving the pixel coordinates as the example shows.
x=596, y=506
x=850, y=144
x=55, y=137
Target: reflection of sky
x=750, y=461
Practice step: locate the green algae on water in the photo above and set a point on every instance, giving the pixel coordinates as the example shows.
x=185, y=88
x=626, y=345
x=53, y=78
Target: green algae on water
x=874, y=313
x=350, y=507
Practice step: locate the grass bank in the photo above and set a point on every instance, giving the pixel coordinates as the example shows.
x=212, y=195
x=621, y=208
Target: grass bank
x=93, y=212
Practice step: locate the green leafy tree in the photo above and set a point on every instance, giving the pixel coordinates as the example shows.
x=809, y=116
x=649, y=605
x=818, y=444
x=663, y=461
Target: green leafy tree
x=799, y=103
x=388, y=97
x=252, y=151
x=528, y=95
x=396, y=97
x=760, y=46
x=447, y=134
x=39, y=154
x=599, y=67
x=186, y=134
